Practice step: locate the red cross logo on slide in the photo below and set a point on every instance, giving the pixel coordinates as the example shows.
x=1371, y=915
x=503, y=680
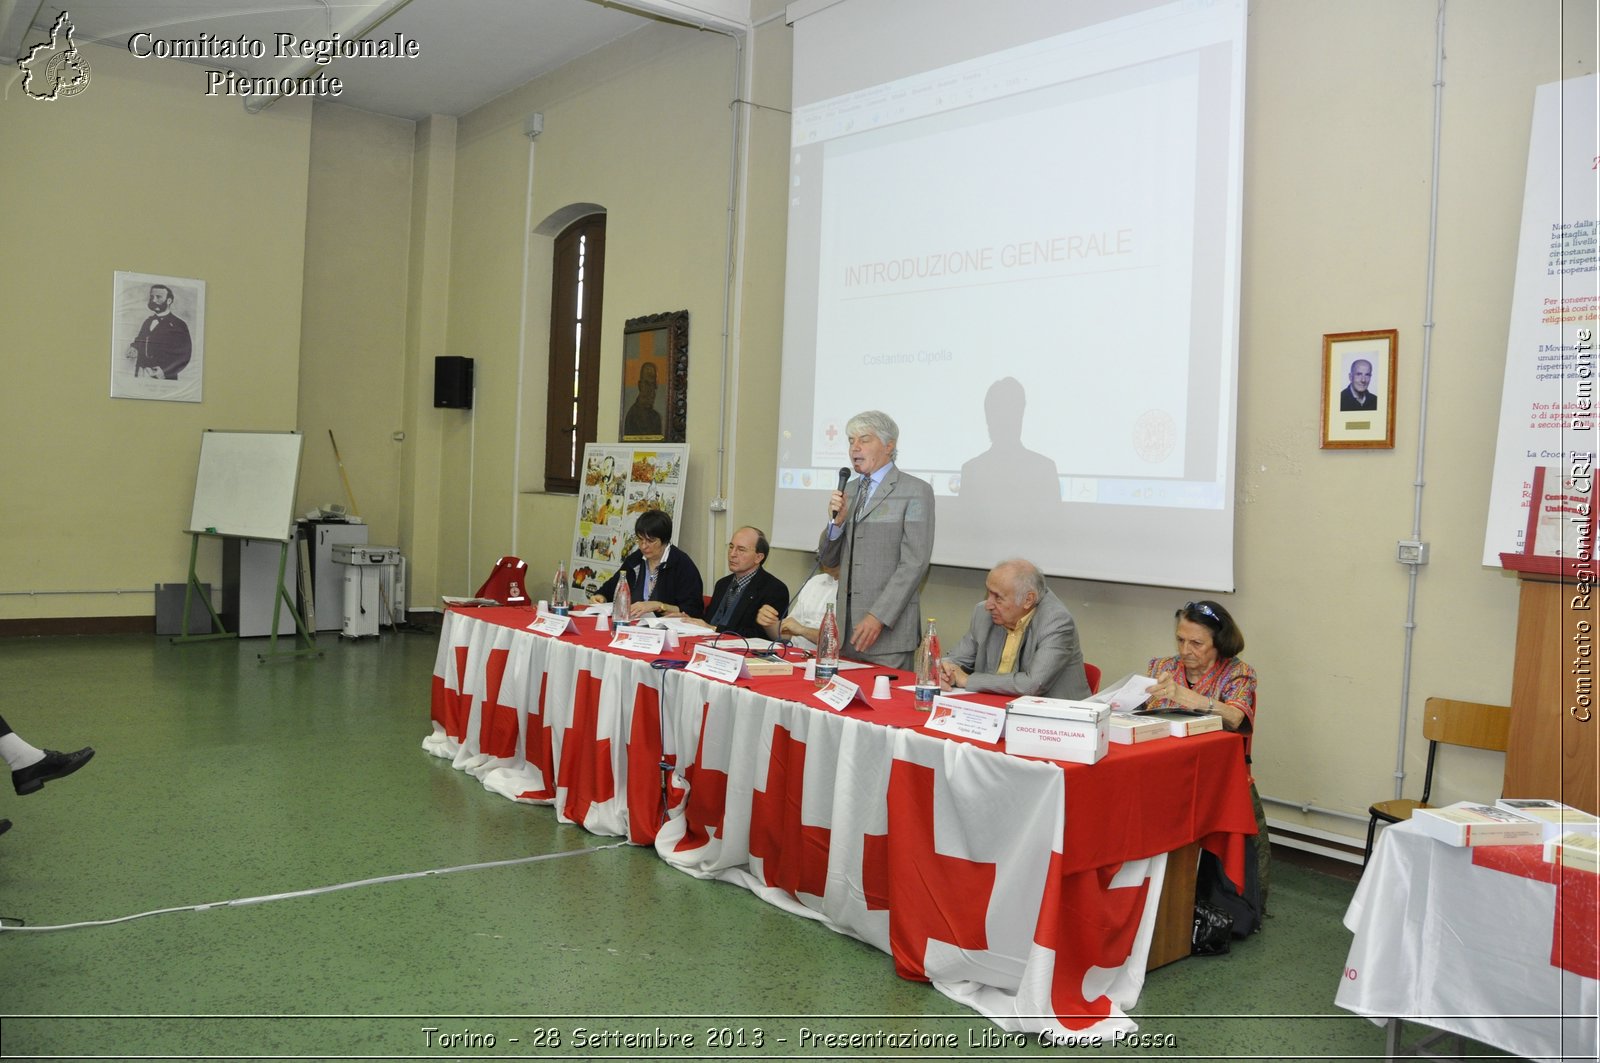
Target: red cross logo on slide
x=794, y=857
x=585, y=758
x=929, y=896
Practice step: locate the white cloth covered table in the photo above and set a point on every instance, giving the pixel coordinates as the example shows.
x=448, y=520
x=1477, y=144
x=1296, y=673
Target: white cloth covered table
x=1443, y=940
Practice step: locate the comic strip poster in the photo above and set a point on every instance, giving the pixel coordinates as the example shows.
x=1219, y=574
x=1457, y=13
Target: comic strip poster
x=620, y=481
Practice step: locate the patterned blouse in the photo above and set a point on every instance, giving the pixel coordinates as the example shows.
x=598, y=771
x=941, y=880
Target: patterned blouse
x=1229, y=680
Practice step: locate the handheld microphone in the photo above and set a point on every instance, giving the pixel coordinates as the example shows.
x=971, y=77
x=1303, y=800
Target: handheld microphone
x=844, y=478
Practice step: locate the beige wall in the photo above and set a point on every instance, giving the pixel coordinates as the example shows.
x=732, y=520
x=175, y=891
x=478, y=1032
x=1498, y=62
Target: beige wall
x=139, y=173
x=353, y=332
x=642, y=129
x=1337, y=188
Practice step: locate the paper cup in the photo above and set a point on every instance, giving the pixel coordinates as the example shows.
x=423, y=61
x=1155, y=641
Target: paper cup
x=880, y=688
x=602, y=622
x=811, y=669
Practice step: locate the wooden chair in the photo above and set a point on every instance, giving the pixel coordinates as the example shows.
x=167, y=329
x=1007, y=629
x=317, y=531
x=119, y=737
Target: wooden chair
x=1092, y=674
x=1448, y=722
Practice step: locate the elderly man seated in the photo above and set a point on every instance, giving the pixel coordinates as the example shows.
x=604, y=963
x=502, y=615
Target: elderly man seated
x=1021, y=640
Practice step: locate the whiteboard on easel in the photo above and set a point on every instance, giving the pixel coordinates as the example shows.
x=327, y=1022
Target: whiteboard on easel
x=246, y=484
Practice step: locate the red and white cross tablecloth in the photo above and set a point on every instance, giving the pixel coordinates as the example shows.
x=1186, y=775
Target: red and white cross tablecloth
x=1025, y=888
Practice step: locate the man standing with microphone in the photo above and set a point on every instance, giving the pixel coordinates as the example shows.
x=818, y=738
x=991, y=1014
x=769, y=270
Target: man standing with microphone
x=880, y=534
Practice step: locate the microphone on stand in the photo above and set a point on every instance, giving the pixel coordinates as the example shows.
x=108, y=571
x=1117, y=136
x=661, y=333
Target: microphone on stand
x=844, y=478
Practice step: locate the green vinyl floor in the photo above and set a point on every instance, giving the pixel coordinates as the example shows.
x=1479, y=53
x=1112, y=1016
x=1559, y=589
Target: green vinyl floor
x=218, y=779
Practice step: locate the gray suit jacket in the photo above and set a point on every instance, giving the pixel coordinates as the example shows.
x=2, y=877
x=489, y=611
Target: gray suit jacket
x=1049, y=664
x=883, y=553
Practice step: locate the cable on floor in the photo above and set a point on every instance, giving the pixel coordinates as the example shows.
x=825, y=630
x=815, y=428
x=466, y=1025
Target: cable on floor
x=245, y=902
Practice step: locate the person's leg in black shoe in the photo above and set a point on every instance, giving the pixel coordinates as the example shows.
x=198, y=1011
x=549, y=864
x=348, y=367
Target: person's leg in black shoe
x=32, y=767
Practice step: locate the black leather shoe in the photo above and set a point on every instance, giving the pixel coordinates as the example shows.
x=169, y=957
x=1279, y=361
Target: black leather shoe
x=53, y=766
x=5, y=825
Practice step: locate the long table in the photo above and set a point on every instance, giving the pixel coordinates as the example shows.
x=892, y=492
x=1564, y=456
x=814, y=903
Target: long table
x=1488, y=942
x=1023, y=888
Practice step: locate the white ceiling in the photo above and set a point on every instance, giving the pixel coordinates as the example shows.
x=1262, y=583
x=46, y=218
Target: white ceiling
x=470, y=51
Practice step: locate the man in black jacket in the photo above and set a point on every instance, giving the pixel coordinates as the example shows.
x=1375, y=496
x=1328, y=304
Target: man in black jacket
x=748, y=586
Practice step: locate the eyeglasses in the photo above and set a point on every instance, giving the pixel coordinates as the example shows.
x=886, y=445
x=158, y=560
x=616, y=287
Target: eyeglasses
x=649, y=540
x=1203, y=609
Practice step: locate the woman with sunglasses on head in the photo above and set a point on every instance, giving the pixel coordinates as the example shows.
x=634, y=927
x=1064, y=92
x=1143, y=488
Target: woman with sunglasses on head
x=1206, y=675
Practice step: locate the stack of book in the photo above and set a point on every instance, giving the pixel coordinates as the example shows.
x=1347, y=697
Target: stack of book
x=1470, y=823
x=1557, y=818
x=1127, y=728
x=1184, y=724
x=1580, y=851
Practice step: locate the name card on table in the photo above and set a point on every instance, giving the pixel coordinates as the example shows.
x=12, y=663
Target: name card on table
x=839, y=693
x=637, y=639
x=717, y=664
x=552, y=625
x=968, y=719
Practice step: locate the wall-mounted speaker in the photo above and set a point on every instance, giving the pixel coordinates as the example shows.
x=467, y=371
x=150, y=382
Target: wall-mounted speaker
x=452, y=382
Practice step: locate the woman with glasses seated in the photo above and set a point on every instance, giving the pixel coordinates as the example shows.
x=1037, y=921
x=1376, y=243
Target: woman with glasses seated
x=662, y=580
x=1207, y=675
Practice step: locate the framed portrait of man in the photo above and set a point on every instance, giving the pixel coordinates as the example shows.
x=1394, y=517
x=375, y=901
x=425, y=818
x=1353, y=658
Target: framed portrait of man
x=655, y=378
x=1358, y=381
x=158, y=330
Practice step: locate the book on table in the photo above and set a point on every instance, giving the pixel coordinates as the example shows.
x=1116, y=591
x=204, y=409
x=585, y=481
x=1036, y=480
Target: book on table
x=1558, y=819
x=1127, y=728
x=1472, y=823
x=1575, y=850
x=1181, y=723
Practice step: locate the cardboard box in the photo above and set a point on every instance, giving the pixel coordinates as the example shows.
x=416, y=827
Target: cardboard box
x=1127, y=729
x=1469, y=823
x=1074, y=731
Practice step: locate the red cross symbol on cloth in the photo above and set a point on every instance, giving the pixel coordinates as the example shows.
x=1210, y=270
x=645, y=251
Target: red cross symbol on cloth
x=929, y=896
x=497, y=723
x=451, y=707
x=708, y=797
x=585, y=757
x=794, y=857
x=645, y=797
x=1088, y=924
x=537, y=747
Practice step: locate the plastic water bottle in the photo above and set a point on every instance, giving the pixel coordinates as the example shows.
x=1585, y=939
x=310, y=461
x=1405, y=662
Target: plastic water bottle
x=621, y=601
x=827, y=647
x=558, y=591
x=927, y=681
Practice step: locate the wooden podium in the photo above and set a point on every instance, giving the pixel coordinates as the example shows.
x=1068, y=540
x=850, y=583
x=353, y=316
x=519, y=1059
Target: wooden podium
x=1554, y=731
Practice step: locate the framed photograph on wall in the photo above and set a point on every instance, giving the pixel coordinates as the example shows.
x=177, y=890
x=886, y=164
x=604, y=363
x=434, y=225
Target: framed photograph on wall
x=158, y=337
x=655, y=378
x=1358, y=381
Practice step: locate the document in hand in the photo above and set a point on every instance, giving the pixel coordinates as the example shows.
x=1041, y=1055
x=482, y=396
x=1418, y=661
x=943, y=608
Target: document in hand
x=1125, y=695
